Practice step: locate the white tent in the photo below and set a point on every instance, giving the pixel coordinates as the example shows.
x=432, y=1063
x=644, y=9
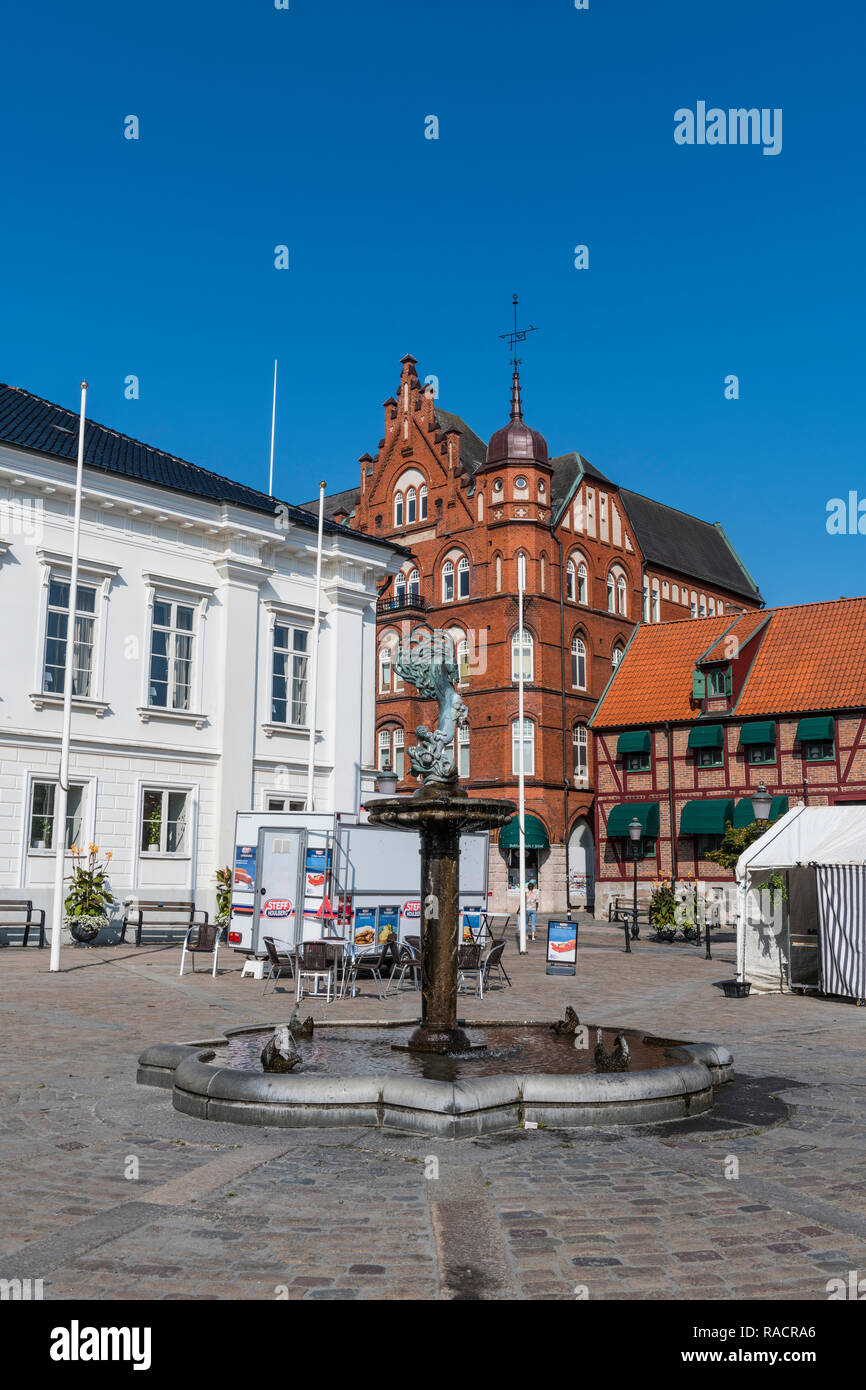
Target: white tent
x=817, y=938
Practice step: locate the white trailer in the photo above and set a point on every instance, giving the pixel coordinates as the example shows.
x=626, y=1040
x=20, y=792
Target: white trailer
x=301, y=876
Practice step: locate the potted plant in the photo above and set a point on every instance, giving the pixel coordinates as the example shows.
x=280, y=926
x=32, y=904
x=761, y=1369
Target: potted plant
x=223, y=899
x=662, y=910
x=89, y=897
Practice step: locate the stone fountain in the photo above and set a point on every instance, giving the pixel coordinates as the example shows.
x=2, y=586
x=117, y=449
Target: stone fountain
x=439, y=810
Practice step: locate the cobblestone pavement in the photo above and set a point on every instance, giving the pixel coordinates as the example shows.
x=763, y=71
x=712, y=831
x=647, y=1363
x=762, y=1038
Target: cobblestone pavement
x=109, y=1193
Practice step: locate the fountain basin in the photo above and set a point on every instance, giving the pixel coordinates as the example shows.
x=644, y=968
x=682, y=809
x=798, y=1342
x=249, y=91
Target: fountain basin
x=473, y=1105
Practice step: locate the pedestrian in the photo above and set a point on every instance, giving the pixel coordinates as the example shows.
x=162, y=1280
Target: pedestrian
x=531, y=908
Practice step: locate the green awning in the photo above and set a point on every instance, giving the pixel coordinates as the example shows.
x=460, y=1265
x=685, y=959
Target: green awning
x=758, y=733
x=637, y=741
x=706, y=736
x=819, y=729
x=744, y=811
x=535, y=834
x=647, y=813
x=707, y=817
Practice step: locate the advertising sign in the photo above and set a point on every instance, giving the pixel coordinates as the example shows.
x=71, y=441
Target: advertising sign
x=245, y=867
x=412, y=910
x=389, y=922
x=365, y=926
x=277, y=907
x=471, y=927
x=561, y=948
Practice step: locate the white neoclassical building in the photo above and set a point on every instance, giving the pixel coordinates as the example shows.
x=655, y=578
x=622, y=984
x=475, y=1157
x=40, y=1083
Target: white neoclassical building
x=192, y=640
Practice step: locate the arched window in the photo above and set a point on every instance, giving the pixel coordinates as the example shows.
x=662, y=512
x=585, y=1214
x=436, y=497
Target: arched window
x=703, y=605
x=447, y=582
x=656, y=602
x=481, y=506
x=578, y=663
x=400, y=589
x=498, y=568
x=580, y=741
x=712, y=607
x=528, y=742
x=463, y=578
x=398, y=509
x=413, y=589
x=621, y=595
x=463, y=661
x=521, y=570
x=542, y=572
x=385, y=750
x=522, y=650
x=616, y=655
x=646, y=601
x=398, y=752
x=675, y=593
x=582, y=583
x=384, y=670
x=422, y=501
x=570, y=581
x=611, y=593
x=694, y=604
x=411, y=506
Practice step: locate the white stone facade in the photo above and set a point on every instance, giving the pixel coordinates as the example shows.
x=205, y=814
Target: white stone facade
x=209, y=582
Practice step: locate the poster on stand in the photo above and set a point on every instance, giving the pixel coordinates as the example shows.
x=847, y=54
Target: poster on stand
x=561, y=948
x=365, y=927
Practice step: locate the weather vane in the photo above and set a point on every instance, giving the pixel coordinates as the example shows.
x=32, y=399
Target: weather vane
x=517, y=335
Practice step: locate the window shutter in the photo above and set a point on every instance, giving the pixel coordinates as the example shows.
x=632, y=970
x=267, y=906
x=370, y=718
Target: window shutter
x=729, y=682
x=699, y=685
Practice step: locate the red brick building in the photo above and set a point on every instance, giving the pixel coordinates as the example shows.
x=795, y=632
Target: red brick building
x=700, y=713
x=596, y=557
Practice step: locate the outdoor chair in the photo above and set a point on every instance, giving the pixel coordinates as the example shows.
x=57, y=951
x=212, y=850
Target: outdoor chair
x=408, y=959
x=468, y=963
x=15, y=912
x=278, y=961
x=315, y=965
x=372, y=964
x=495, y=962
x=200, y=939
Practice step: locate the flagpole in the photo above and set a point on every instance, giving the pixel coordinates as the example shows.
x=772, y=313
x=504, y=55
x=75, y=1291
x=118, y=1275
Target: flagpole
x=62, y=796
x=314, y=664
x=521, y=761
x=273, y=433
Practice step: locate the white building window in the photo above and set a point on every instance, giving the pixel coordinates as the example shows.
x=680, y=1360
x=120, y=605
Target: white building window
x=616, y=656
x=400, y=589
x=56, y=631
x=422, y=504
x=463, y=751
x=703, y=609
x=570, y=581
x=463, y=578
x=646, y=601
x=164, y=821
x=42, y=795
x=171, y=638
x=528, y=747
x=413, y=589
x=611, y=594
x=398, y=509
x=656, y=602
x=289, y=675
x=675, y=593
x=694, y=605
x=411, y=506
x=399, y=739
x=621, y=596
x=447, y=582
x=498, y=570
x=582, y=583
x=522, y=647
x=463, y=661
x=385, y=751
x=542, y=573
x=580, y=740
x=578, y=663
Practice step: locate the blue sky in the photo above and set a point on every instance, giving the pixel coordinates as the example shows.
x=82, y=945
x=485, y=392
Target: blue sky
x=305, y=127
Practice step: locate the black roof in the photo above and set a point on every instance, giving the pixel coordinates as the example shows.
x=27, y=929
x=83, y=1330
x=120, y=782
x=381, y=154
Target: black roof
x=35, y=424
x=681, y=542
x=345, y=501
x=473, y=450
x=566, y=470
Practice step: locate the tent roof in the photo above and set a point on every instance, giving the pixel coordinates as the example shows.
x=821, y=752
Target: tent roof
x=809, y=835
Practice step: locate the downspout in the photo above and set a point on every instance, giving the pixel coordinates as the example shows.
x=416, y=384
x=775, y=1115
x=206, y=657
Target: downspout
x=564, y=730
x=672, y=805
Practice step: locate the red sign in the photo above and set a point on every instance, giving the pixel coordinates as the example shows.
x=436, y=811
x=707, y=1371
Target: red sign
x=412, y=909
x=277, y=907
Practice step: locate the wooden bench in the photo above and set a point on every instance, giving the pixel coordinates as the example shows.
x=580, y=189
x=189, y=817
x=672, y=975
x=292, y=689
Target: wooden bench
x=11, y=910
x=152, y=912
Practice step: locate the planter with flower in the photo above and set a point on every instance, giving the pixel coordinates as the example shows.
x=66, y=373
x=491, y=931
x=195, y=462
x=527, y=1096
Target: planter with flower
x=89, y=896
x=663, y=910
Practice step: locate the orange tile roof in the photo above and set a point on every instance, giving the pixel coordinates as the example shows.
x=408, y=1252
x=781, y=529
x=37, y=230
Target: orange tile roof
x=742, y=627
x=809, y=657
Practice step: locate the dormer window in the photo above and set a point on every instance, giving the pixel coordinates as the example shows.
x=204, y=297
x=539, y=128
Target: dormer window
x=718, y=682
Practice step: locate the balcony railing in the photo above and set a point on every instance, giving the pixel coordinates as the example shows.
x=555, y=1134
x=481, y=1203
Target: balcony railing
x=398, y=602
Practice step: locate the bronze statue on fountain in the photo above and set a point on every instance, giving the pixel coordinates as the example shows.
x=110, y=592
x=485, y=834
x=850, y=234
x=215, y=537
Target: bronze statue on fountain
x=440, y=809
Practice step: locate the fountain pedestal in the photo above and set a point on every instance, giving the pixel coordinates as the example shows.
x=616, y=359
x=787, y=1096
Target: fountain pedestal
x=439, y=813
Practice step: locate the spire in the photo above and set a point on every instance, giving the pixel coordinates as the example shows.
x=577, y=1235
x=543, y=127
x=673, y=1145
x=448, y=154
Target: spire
x=516, y=407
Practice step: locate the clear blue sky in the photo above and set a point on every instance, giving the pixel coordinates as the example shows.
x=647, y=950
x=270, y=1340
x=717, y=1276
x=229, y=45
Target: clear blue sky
x=261, y=126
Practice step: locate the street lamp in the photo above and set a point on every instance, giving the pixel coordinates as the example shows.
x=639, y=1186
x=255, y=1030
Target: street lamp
x=635, y=832
x=762, y=800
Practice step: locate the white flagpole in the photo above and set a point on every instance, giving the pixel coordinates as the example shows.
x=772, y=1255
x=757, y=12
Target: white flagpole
x=521, y=762
x=273, y=433
x=314, y=664
x=61, y=797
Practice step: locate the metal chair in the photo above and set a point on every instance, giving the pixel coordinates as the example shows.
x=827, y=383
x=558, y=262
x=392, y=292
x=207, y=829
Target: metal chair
x=202, y=938
x=278, y=961
x=371, y=964
x=315, y=965
x=468, y=963
x=408, y=959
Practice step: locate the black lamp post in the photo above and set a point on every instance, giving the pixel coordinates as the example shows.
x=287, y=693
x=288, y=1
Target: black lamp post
x=635, y=835
x=762, y=800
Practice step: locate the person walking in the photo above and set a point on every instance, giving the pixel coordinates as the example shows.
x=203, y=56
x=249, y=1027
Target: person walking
x=531, y=909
